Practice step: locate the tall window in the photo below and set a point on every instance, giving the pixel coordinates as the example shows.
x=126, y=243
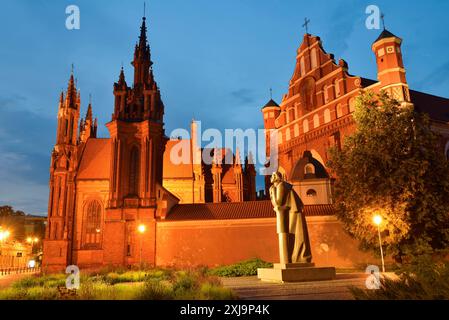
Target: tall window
x=339, y=111
x=305, y=125
x=316, y=121
x=327, y=116
x=302, y=66
x=92, y=226
x=307, y=92
x=296, y=130
x=134, y=172
x=313, y=57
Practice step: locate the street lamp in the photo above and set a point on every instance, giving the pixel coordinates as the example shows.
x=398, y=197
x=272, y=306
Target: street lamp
x=141, y=228
x=4, y=235
x=377, y=219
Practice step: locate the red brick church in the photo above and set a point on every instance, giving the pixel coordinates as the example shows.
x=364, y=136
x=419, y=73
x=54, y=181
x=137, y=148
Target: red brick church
x=103, y=189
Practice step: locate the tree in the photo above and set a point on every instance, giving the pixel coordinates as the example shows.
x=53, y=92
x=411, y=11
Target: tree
x=393, y=166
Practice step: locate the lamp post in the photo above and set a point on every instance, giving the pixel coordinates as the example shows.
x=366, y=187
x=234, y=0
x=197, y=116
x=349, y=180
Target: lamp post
x=4, y=234
x=142, y=228
x=377, y=219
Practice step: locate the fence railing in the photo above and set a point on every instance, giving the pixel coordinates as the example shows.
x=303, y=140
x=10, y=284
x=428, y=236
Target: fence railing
x=17, y=270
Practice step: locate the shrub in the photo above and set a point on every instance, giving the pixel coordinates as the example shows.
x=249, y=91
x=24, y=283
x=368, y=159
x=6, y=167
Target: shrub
x=244, y=268
x=155, y=290
x=423, y=279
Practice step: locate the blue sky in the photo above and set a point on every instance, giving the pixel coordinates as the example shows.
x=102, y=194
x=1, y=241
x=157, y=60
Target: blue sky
x=213, y=60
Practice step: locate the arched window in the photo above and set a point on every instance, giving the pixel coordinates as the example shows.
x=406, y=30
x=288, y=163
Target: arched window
x=279, y=136
x=305, y=125
x=351, y=105
x=316, y=121
x=311, y=193
x=309, y=169
x=339, y=111
x=134, y=171
x=327, y=116
x=313, y=57
x=287, y=134
x=296, y=130
x=92, y=225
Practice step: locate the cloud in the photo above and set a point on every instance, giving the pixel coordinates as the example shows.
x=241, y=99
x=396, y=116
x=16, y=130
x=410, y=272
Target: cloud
x=26, y=140
x=11, y=101
x=243, y=96
x=341, y=24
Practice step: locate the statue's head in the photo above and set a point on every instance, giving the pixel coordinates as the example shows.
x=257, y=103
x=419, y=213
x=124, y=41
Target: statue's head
x=276, y=177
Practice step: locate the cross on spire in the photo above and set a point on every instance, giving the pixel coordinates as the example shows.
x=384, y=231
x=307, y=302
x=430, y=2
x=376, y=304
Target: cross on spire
x=72, y=69
x=382, y=17
x=144, y=9
x=271, y=93
x=306, y=24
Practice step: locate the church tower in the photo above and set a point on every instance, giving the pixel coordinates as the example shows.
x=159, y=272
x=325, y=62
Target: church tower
x=390, y=66
x=57, y=251
x=137, y=147
x=137, y=133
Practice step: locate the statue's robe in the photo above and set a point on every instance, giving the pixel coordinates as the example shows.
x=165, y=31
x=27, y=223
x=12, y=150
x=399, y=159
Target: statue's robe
x=290, y=219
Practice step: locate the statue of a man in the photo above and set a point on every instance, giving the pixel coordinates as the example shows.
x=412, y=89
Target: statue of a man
x=294, y=244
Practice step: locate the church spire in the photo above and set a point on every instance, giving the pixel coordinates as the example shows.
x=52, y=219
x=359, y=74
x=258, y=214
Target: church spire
x=72, y=94
x=142, y=57
x=89, y=112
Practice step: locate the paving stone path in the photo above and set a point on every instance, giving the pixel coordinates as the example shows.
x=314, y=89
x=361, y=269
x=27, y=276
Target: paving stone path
x=250, y=288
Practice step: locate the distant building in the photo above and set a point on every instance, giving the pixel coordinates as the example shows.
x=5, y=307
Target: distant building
x=226, y=179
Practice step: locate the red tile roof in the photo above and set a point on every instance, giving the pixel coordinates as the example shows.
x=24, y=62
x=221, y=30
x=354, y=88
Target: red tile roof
x=237, y=210
x=95, y=160
x=436, y=107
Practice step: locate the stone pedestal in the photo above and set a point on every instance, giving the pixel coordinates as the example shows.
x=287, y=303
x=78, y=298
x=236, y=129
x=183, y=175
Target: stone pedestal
x=295, y=272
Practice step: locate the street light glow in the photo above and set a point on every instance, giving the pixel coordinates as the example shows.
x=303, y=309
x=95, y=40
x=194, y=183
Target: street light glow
x=4, y=235
x=142, y=228
x=377, y=219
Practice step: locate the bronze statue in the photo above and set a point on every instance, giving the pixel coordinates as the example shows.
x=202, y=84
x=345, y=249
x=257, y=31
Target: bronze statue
x=294, y=244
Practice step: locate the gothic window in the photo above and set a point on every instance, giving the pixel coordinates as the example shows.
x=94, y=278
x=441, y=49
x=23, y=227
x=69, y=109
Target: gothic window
x=307, y=92
x=311, y=193
x=314, y=57
x=316, y=121
x=134, y=171
x=327, y=116
x=71, y=129
x=287, y=134
x=305, y=125
x=92, y=225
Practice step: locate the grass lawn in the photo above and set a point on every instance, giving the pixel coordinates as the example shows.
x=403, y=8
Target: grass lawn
x=152, y=284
